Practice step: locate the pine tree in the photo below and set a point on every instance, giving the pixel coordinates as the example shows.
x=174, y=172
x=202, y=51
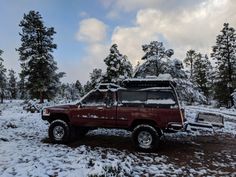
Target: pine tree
x=224, y=53
x=188, y=91
x=87, y=87
x=157, y=59
x=38, y=65
x=118, y=66
x=80, y=88
x=189, y=60
x=68, y=92
x=95, y=77
x=136, y=68
x=126, y=69
x=3, y=78
x=175, y=69
x=21, y=87
x=62, y=91
x=74, y=92
x=202, y=73
x=12, y=84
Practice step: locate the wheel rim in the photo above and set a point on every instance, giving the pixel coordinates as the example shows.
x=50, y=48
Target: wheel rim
x=144, y=139
x=58, y=132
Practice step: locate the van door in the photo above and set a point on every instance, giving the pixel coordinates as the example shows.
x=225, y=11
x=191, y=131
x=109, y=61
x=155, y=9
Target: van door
x=95, y=112
x=131, y=106
x=164, y=106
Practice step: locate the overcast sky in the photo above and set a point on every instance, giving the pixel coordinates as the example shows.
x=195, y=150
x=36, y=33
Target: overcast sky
x=86, y=29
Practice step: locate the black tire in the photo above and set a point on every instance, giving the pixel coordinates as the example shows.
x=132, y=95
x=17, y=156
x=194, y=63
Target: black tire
x=59, y=132
x=145, y=138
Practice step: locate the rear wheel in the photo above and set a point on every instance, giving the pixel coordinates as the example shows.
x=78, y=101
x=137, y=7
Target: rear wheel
x=59, y=131
x=145, y=137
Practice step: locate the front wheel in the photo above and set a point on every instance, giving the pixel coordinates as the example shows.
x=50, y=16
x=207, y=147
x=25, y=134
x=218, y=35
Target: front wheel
x=145, y=138
x=59, y=132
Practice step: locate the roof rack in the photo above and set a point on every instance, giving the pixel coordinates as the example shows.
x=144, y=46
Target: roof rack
x=145, y=83
x=106, y=86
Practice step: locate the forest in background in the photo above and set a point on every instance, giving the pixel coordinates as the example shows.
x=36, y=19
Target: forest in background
x=200, y=78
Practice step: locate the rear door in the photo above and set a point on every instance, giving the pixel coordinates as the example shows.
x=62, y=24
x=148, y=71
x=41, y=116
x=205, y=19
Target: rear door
x=164, y=106
x=131, y=106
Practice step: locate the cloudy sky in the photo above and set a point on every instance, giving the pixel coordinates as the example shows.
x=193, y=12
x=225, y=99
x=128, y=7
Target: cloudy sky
x=86, y=29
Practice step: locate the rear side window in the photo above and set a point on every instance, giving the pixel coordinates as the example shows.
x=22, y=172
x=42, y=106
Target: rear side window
x=132, y=98
x=147, y=98
x=161, y=98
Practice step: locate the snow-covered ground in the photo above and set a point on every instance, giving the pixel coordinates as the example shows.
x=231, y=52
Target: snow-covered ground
x=26, y=151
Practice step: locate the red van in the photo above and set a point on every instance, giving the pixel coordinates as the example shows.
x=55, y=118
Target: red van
x=148, y=108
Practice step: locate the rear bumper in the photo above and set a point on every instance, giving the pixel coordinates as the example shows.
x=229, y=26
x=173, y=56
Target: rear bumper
x=174, y=127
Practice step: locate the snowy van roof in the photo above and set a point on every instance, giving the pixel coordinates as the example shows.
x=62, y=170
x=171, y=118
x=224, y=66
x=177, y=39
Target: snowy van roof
x=146, y=82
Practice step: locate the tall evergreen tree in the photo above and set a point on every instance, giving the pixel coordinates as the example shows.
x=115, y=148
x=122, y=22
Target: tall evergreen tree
x=95, y=77
x=156, y=59
x=12, y=84
x=175, y=69
x=224, y=53
x=189, y=60
x=22, y=92
x=38, y=65
x=202, y=73
x=87, y=87
x=62, y=94
x=187, y=90
x=126, y=68
x=74, y=92
x=3, y=78
x=68, y=92
x=80, y=88
x=118, y=66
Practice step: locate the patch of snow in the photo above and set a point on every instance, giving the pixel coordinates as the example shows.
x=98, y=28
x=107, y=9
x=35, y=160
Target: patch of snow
x=151, y=101
x=133, y=101
x=162, y=101
x=229, y=117
x=156, y=88
x=23, y=152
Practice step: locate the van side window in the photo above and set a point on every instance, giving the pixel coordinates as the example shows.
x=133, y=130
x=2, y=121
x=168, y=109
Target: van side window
x=95, y=98
x=161, y=98
x=132, y=98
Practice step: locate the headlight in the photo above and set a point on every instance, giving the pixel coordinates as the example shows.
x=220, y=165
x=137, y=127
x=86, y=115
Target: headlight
x=46, y=112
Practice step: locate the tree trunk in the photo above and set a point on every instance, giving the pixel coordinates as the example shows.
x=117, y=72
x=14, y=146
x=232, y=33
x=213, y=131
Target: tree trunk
x=231, y=90
x=191, y=69
x=230, y=73
x=1, y=97
x=41, y=97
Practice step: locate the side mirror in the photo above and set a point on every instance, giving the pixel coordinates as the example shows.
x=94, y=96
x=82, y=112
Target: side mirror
x=80, y=105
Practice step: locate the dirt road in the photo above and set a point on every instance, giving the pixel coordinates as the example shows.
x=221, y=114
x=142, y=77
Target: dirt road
x=191, y=155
